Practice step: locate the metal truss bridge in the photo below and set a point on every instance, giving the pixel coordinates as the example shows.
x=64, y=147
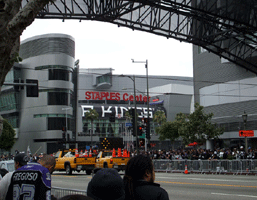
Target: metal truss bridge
x=227, y=28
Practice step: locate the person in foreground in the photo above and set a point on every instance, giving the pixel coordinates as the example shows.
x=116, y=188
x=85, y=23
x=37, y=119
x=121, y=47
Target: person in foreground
x=20, y=160
x=32, y=181
x=106, y=184
x=139, y=180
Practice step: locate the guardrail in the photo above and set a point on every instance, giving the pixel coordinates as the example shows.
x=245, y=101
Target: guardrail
x=207, y=166
x=61, y=192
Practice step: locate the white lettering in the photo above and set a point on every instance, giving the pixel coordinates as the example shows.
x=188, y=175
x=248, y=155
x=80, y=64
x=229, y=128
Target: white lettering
x=150, y=112
x=106, y=111
x=25, y=176
x=122, y=110
x=85, y=109
x=142, y=111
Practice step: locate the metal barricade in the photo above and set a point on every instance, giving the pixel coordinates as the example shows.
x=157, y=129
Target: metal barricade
x=245, y=166
x=61, y=192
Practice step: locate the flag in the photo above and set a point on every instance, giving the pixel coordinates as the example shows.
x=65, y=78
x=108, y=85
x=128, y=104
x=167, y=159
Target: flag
x=28, y=151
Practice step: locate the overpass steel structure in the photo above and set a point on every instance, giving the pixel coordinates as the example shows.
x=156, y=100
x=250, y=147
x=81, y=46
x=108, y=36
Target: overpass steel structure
x=227, y=28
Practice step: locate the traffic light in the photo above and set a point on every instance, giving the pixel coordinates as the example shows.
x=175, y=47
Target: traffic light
x=145, y=120
x=112, y=117
x=139, y=130
x=142, y=142
x=32, y=90
x=63, y=136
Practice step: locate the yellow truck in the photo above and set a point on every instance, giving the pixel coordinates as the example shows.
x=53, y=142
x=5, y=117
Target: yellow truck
x=105, y=160
x=66, y=161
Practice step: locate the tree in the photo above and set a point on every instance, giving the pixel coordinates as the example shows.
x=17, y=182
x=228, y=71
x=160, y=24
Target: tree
x=159, y=117
x=13, y=21
x=92, y=115
x=7, y=139
x=197, y=126
x=168, y=130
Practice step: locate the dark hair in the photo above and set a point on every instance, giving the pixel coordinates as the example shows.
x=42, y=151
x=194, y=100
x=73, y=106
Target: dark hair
x=75, y=197
x=136, y=169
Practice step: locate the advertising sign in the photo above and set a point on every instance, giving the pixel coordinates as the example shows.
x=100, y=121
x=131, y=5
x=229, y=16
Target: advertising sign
x=246, y=133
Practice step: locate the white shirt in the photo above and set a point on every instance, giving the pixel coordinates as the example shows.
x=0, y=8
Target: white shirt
x=4, y=185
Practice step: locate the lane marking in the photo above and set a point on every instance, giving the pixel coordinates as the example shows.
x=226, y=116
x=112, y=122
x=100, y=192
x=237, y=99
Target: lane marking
x=207, y=184
x=238, y=195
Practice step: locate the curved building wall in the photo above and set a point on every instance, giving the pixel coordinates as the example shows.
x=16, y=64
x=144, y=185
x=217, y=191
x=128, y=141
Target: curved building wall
x=226, y=90
x=50, y=60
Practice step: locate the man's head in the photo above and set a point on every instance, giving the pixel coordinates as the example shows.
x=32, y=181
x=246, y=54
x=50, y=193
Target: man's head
x=48, y=162
x=20, y=160
x=140, y=167
x=106, y=184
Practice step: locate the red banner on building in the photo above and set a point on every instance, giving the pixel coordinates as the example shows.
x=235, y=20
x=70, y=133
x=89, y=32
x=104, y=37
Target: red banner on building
x=246, y=133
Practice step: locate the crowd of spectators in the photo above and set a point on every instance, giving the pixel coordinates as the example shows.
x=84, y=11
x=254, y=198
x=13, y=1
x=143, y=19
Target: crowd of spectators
x=32, y=158
x=190, y=154
x=202, y=154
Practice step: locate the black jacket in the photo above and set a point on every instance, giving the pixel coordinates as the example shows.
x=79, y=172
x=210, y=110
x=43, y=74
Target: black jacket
x=144, y=190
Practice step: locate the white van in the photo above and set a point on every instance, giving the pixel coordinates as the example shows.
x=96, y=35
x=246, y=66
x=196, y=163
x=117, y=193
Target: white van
x=8, y=165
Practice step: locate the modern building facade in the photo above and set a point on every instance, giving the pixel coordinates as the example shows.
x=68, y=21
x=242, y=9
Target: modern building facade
x=39, y=120
x=228, y=91
x=107, y=93
x=66, y=93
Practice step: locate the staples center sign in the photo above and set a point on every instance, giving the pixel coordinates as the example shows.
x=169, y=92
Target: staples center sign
x=116, y=96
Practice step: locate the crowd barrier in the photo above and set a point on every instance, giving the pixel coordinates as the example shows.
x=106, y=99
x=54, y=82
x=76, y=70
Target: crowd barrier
x=207, y=166
x=61, y=192
x=235, y=167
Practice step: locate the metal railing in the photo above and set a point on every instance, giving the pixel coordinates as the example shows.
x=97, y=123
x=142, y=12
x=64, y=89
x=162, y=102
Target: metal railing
x=61, y=192
x=207, y=166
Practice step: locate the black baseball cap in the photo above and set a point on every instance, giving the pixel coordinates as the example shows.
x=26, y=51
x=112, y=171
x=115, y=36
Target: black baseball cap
x=22, y=158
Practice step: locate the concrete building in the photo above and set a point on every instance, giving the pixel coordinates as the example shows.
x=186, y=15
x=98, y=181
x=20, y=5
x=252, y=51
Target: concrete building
x=66, y=92
x=39, y=120
x=228, y=91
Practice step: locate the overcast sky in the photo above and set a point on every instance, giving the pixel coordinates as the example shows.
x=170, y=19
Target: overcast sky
x=104, y=45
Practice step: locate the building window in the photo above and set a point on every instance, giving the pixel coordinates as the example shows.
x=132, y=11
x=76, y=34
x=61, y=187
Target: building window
x=57, y=123
x=104, y=79
x=58, y=74
x=12, y=118
x=58, y=98
x=9, y=101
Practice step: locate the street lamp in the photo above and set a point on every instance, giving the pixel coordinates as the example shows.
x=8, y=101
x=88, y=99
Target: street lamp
x=66, y=123
x=244, y=116
x=135, y=106
x=147, y=88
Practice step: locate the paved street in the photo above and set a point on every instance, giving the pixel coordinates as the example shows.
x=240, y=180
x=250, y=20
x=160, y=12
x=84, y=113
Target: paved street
x=182, y=186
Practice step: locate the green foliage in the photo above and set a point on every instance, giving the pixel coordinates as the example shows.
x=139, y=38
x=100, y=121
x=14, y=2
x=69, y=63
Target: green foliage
x=92, y=115
x=128, y=115
x=195, y=127
x=168, y=130
x=159, y=117
x=16, y=58
x=7, y=139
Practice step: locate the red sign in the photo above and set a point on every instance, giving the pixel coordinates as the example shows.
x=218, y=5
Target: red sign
x=116, y=96
x=246, y=133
